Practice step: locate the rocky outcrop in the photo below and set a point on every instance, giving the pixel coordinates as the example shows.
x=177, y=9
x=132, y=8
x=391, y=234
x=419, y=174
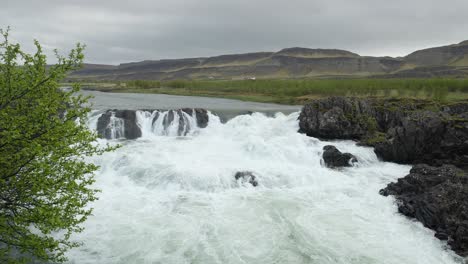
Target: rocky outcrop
x=122, y=122
x=114, y=124
x=336, y=118
x=403, y=131
x=334, y=158
x=427, y=137
x=438, y=198
x=408, y=131
x=246, y=177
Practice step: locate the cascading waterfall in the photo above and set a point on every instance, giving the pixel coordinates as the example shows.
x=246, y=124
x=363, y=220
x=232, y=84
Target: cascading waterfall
x=180, y=122
x=116, y=127
x=168, y=199
x=167, y=123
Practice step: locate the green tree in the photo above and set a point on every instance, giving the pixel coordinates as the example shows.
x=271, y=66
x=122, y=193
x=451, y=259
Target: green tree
x=45, y=179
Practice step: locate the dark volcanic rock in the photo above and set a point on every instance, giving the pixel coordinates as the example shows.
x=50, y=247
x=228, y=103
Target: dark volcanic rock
x=103, y=122
x=202, y=117
x=408, y=131
x=246, y=177
x=334, y=158
x=352, y=118
x=131, y=130
x=335, y=118
x=438, y=198
x=433, y=137
x=404, y=131
x=427, y=137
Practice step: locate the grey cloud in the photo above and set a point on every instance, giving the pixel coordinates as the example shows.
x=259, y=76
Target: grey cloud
x=120, y=31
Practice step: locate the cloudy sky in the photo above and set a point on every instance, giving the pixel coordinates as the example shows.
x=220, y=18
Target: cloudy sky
x=122, y=30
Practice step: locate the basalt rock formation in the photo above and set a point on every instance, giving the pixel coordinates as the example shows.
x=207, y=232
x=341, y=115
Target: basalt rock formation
x=427, y=137
x=334, y=158
x=403, y=131
x=127, y=118
x=437, y=197
x=336, y=118
x=410, y=132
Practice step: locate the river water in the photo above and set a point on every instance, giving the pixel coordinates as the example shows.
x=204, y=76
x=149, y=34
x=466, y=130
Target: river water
x=172, y=199
x=225, y=108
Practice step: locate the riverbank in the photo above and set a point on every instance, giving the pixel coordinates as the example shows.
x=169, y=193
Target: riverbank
x=295, y=91
x=412, y=132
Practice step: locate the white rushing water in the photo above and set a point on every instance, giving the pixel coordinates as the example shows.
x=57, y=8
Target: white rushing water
x=170, y=199
x=151, y=123
x=160, y=123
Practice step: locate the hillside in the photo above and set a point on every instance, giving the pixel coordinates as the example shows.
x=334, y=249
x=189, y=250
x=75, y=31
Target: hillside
x=445, y=61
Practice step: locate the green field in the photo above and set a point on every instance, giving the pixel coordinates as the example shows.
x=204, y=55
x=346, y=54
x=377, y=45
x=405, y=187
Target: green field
x=298, y=91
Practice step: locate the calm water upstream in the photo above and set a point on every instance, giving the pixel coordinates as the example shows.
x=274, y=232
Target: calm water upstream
x=225, y=108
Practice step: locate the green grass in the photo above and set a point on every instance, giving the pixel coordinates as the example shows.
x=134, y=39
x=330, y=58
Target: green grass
x=300, y=91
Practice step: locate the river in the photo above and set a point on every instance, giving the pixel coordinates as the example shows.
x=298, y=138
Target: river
x=225, y=108
x=174, y=199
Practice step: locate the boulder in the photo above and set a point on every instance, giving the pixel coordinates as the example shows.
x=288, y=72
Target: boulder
x=103, y=123
x=438, y=198
x=334, y=158
x=202, y=117
x=246, y=177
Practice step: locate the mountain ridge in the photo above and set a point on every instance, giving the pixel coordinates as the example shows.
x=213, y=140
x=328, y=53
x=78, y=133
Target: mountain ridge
x=295, y=62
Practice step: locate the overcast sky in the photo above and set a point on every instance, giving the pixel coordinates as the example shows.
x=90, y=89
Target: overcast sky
x=132, y=30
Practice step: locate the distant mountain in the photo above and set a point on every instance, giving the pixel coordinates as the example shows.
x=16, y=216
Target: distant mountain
x=446, y=61
x=453, y=55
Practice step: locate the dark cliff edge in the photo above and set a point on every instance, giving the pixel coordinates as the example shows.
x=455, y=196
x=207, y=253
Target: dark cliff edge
x=432, y=136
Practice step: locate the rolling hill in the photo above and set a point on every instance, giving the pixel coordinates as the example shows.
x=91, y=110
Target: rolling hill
x=445, y=61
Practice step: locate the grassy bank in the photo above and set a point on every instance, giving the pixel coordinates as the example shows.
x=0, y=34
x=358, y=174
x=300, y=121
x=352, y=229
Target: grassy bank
x=299, y=91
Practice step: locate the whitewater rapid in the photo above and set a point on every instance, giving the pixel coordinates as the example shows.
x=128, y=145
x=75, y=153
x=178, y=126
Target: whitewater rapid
x=174, y=199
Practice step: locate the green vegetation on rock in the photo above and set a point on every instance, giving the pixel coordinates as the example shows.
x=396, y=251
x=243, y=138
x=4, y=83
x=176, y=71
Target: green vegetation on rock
x=375, y=138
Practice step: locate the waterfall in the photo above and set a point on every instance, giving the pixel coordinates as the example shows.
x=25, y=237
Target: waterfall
x=115, y=124
x=250, y=190
x=167, y=123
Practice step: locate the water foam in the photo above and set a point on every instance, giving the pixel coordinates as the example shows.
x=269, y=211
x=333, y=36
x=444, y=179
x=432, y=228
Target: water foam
x=171, y=199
